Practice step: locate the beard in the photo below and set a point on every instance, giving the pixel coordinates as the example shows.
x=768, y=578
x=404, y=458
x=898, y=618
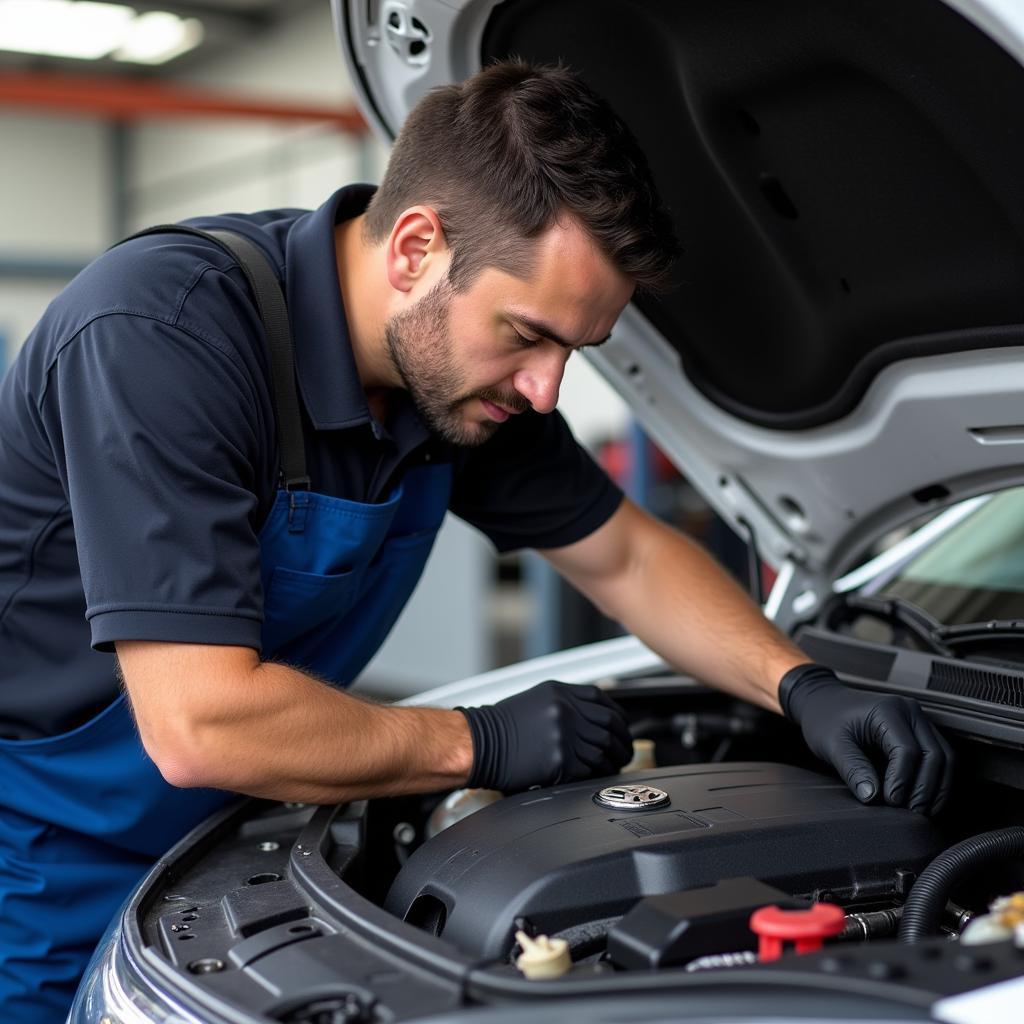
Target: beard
x=419, y=344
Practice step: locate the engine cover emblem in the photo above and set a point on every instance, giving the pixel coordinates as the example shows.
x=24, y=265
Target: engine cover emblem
x=631, y=798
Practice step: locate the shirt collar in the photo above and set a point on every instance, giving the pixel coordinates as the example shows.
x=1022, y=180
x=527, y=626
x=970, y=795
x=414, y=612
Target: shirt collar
x=324, y=364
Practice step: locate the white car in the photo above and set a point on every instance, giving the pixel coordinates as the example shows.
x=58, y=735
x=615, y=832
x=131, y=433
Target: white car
x=843, y=356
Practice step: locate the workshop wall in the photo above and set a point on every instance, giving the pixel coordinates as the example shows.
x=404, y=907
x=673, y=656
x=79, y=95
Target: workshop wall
x=55, y=210
x=72, y=185
x=178, y=169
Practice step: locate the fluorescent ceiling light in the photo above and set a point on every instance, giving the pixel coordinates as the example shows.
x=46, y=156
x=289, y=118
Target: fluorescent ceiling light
x=88, y=31
x=61, y=28
x=157, y=36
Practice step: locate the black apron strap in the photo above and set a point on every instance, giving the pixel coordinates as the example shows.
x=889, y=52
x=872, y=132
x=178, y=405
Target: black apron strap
x=273, y=312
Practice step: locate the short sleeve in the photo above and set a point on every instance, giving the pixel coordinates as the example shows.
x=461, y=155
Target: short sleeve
x=154, y=430
x=533, y=486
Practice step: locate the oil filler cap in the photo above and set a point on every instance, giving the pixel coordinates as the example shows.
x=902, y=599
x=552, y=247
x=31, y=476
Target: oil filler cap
x=634, y=797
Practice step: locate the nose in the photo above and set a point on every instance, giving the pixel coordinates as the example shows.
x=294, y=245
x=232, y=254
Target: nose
x=538, y=382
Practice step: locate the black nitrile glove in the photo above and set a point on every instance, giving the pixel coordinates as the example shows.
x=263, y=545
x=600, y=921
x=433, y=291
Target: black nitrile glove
x=845, y=727
x=549, y=734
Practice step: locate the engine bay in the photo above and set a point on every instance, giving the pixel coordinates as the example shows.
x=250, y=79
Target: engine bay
x=647, y=882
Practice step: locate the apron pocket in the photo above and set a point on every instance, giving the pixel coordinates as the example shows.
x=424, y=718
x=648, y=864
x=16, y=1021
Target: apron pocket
x=298, y=604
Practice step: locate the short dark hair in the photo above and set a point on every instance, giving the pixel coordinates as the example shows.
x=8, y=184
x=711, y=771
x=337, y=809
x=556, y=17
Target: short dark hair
x=501, y=155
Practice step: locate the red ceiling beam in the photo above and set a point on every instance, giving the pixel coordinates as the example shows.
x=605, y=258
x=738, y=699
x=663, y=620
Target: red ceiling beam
x=135, y=99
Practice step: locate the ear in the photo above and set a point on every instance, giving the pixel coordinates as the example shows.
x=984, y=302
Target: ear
x=416, y=249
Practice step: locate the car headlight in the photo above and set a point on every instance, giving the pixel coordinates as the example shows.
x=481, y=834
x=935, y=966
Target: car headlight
x=113, y=992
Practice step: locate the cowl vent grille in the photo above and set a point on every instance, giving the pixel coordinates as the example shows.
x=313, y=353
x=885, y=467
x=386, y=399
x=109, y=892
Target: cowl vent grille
x=979, y=683
x=848, y=656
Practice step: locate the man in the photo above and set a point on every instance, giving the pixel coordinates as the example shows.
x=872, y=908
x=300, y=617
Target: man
x=164, y=498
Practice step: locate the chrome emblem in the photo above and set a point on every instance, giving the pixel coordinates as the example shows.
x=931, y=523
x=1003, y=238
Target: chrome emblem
x=631, y=798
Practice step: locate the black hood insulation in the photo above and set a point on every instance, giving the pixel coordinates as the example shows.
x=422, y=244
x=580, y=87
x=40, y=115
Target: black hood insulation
x=846, y=179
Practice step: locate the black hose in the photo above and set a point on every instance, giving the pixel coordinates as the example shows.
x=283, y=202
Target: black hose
x=923, y=909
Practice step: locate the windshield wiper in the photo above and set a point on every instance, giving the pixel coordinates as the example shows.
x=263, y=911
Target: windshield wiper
x=936, y=636
x=967, y=633
x=897, y=611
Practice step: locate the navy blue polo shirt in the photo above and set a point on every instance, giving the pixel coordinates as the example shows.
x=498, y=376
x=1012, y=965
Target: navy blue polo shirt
x=138, y=457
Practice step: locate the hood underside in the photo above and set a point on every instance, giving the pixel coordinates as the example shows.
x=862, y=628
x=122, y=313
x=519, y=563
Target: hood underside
x=845, y=179
x=840, y=349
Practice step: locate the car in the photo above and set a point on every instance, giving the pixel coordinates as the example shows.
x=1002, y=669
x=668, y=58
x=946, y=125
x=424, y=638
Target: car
x=841, y=358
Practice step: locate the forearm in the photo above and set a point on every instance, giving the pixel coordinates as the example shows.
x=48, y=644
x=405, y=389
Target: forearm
x=683, y=605
x=708, y=626
x=271, y=731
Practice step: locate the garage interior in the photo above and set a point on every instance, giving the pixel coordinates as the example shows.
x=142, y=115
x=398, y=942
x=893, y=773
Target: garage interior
x=246, y=105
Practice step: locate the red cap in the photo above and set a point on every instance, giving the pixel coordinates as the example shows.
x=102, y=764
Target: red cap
x=806, y=928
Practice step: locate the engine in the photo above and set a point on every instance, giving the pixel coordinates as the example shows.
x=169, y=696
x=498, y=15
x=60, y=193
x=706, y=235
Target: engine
x=664, y=870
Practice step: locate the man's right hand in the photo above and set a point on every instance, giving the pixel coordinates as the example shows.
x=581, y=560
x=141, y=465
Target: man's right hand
x=550, y=734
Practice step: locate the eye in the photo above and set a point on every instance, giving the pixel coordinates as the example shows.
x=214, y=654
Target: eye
x=523, y=342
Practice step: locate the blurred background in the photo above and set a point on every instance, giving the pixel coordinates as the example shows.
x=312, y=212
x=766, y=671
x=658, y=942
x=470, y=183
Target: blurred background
x=114, y=118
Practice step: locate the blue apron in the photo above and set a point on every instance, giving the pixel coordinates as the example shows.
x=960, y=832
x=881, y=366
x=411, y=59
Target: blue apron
x=84, y=814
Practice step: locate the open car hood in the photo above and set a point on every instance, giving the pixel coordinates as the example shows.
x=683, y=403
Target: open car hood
x=844, y=346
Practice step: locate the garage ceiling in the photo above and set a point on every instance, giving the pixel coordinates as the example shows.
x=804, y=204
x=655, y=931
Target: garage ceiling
x=227, y=24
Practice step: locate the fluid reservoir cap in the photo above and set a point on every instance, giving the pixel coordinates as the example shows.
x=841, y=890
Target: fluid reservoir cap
x=985, y=929
x=542, y=957
x=806, y=928
x=1010, y=909
x=633, y=797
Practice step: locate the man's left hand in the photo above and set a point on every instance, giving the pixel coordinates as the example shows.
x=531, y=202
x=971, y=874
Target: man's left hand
x=845, y=727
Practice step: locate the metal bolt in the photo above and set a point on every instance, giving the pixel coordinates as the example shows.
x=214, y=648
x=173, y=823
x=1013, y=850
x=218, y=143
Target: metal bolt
x=206, y=966
x=270, y=846
x=404, y=834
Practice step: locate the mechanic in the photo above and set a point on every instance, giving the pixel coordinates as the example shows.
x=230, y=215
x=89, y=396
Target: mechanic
x=174, y=520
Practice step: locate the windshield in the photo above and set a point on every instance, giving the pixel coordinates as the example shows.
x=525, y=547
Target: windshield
x=975, y=572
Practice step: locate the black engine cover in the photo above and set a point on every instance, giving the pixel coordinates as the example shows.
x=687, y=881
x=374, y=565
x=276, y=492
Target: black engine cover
x=560, y=859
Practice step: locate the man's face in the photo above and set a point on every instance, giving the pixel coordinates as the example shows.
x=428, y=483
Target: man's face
x=472, y=359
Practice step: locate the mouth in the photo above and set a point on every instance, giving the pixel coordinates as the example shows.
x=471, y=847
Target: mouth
x=495, y=412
